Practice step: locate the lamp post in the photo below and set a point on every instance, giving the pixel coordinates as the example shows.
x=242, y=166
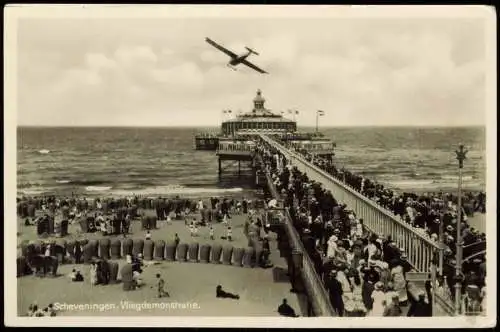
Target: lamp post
x=434, y=268
x=461, y=156
x=441, y=243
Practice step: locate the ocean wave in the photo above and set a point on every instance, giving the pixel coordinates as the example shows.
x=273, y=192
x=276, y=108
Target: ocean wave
x=97, y=188
x=63, y=181
x=43, y=151
x=89, y=183
x=411, y=183
x=428, y=184
x=33, y=192
x=174, y=190
x=23, y=185
x=455, y=177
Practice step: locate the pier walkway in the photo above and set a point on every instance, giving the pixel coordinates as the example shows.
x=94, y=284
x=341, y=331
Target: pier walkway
x=419, y=248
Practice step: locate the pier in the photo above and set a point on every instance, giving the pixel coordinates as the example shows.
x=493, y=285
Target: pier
x=422, y=252
x=419, y=248
x=235, y=150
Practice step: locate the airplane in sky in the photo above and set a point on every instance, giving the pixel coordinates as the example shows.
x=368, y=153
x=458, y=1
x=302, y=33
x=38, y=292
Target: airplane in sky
x=237, y=59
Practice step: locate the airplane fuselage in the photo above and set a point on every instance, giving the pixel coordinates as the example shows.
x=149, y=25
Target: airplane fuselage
x=239, y=59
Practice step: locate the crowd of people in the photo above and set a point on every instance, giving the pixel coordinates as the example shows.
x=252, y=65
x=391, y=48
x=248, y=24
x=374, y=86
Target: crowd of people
x=113, y=216
x=424, y=211
x=364, y=274
x=35, y=311
x=196, y=214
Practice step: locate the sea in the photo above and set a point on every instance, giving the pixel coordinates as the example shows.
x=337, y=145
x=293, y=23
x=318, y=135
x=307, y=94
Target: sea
x=101, y=161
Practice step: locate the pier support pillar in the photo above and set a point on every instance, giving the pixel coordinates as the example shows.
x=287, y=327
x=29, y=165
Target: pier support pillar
x=239, y=167
x=220, y=166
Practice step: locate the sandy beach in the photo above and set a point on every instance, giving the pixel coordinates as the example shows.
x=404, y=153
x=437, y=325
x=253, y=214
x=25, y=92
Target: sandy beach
x=191, y=285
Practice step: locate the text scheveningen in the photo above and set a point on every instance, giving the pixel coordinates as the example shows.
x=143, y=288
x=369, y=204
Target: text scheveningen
x=126, y=305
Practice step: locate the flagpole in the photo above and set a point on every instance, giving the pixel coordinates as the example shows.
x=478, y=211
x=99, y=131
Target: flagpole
x=317, y=114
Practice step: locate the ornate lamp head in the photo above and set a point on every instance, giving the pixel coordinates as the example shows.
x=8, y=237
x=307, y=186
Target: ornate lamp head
x=461, y=155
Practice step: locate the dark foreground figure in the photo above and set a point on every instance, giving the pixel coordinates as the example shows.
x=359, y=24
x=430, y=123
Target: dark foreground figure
x=286, y=310
x=420, y=308
x=225, y=295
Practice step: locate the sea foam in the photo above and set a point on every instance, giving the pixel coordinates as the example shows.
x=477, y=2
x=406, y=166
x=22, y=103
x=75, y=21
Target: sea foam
x=97, y=188
x=173, y=190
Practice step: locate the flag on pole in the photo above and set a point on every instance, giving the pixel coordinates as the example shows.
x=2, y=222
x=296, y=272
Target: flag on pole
x=321, y=113
x=229, y=111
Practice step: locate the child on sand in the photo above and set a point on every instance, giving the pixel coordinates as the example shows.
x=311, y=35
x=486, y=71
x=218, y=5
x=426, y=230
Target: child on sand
x=136, y=275
x=191, y=228
x=229, y=233
x=161, y=286
x=211, y=232
x=72, y=275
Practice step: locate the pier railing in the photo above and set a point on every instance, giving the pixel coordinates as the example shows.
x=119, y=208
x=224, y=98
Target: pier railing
x=419, y=248
x=318, y=295
x=235, y=146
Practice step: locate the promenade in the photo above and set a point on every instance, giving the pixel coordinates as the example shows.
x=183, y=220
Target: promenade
x=418, y=246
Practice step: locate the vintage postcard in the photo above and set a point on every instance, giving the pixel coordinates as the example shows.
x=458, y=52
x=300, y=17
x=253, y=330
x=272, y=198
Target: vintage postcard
x=250, y=166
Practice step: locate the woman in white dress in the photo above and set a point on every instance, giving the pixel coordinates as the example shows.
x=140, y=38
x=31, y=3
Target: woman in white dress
x=379, y=299
x=354, y=305
x=93, y=274
x=390, y=293
x=399, y=283
x=331, y=247
x=344, y=281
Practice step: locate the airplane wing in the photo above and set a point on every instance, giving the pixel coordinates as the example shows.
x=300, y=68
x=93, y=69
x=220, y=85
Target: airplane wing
x=220, y=48
x=254, y=67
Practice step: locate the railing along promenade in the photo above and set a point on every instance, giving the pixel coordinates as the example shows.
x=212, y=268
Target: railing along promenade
x=317, y=294
x=419, y=249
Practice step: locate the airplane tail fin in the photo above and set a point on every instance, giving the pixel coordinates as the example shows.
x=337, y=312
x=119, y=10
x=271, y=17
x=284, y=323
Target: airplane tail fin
x=251, y=51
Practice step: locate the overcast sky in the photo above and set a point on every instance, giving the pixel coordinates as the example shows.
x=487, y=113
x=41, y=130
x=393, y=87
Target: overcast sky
x=160, y=72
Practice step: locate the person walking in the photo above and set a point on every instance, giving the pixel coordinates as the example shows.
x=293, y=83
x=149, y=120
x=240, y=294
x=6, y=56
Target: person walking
x=335, y=293
x=161, y=286
x=211, y=232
